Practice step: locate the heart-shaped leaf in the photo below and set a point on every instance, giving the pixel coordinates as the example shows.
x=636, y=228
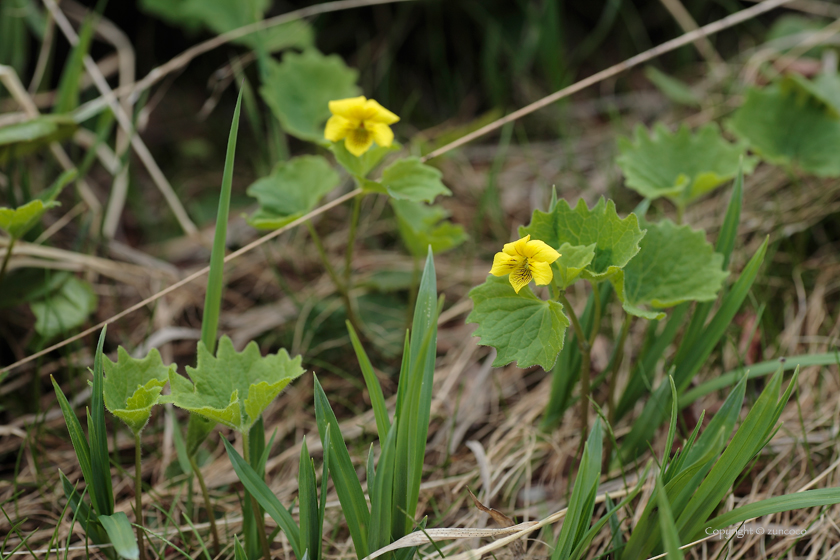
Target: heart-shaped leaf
x=680, y=166
x=360, y=166
x=233, y=388
x=616, y=239
x=133, y=386
x=421, y=226
x=292, y=189
x=64, y=309
x=521, y=327
x=675, y=264
x=410, y=179
x=299, y=89
x=786, y=128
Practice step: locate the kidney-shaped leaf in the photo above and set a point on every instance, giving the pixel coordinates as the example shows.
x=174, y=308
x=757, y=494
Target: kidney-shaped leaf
x=132, y=386
x=292, y=189
x=681, y=165
x=64, y=309
x=520, y=327
x=616, y=240
x=675, y=264
x=299, y=90
x=786, y=128
x=422, y=226
x=233, y=388
x=410, y=179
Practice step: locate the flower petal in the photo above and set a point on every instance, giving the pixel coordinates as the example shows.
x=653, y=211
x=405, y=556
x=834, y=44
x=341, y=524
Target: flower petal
x=338, y=128
x=379, y=114
x=540, y=251
x=520, y=277
x=352, y=108
x=504, y=264
x=541, y=271
x=382, y=134
x=358, y=141
x=521, y=246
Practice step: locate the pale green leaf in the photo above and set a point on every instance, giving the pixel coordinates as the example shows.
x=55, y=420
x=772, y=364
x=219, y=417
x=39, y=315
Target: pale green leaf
x=824, y=88
x=20, y=220
x=421, y=226
x=789, y=129
x=30, y=136
x=133, y=386
x=233, y=388
x=64, y=309
x=675, y=264
x=411, y=179
x=680, y=166
x=521, y=327
x=121, y=534
x=292, y=189
x=616, y=239
x=360, y=166
x=299, y=89
x=571, y=263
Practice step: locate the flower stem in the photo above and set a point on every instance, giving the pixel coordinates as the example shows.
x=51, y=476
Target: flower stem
x=351, y=241
x=586, y=356
x=210, y=515
x=7, y=257
x=258, y=518
x=138, y=496
x=339, y=285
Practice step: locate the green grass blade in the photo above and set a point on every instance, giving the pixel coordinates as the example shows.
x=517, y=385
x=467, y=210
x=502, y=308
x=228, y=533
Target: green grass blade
x=414, y=403
x=83, y=512
x=238, y=551
x=215, y=280
x=67, y=96
x=310, y=523
x=325, y=472
x=50, y=194
x=257, y=487
x=666, y=521
x=377, y=399
x=776, y=504
x=380, y=504
x=100, y=462
x=672, y=427
x=77, y=436
x=121, y=535
x=343, y=473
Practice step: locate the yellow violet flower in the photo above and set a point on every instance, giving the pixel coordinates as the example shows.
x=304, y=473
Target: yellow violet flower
x=360, y=122
x=525, y=260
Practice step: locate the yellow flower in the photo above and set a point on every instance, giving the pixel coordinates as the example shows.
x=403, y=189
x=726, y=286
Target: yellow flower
x=360, y=122
x=525, y=260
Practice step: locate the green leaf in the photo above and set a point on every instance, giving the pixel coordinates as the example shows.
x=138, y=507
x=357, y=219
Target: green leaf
x=521, y=327
x=679, y=166
x=299, y=89
x=233, y=388
x=421, y=226
x=292, y=189
x=825, y=88
x=572, y=262
x=64, y=309
x=790, y=130
x=19, y=139
x=121, y=535
x=616, y=240
x=20, y=220
x=411, y=179
x=360, y=166
x=310, y=522
x=100, y=460
x=674, y=89
x=77, y=437
x=666, y=520
x=675, y=264
x=133, y=386
x=67, y=97
x=377, y=399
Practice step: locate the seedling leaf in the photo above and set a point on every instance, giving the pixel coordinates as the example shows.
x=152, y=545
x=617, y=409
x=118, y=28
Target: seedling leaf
x=133, y=386
x=233, y=388
x=521, y=327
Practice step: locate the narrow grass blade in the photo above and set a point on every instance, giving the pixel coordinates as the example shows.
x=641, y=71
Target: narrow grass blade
x=58, y=185
x=121, y=535
x=383, y=483
x=325, y=472
x=377, y=400
x=672, y=428
x=82, y=511
x=238, y=551
x=670, y=536
x=77, y=436
x=343, y=473
x=257, y=487
x=215, y=280
x=67, y=96
x=100, y=462
x=310, y=522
